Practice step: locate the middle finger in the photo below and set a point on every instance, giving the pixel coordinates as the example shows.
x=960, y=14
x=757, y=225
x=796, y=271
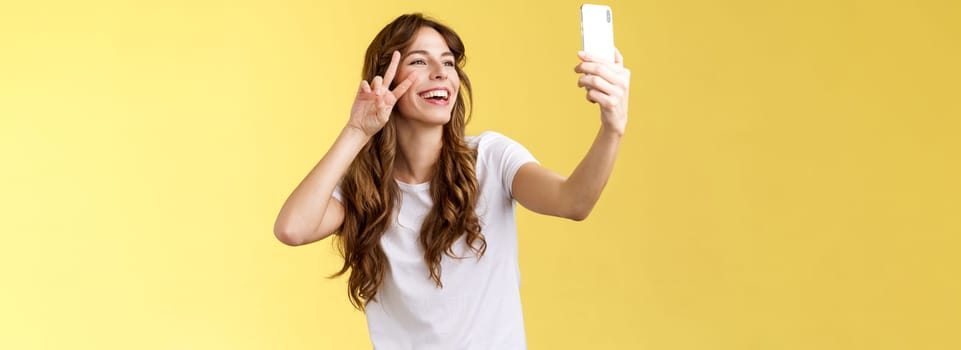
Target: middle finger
x=602, y=70
x=391, y=69
x=595, y=82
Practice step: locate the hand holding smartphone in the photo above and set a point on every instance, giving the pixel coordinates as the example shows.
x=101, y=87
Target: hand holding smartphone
x=602, y=72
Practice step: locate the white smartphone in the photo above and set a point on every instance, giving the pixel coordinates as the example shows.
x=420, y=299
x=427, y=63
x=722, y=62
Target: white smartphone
x=597, y=31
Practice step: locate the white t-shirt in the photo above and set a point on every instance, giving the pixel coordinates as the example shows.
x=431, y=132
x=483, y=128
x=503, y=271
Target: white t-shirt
x=479, y=306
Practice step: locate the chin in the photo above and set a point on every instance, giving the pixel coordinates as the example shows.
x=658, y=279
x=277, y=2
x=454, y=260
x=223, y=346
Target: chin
x=439, y=118
x=427, y=118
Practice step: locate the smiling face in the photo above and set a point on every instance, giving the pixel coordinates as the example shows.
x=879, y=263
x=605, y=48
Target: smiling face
x=430, y=62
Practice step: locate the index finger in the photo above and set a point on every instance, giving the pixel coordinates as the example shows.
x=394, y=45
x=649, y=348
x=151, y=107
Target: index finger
x=392, y=68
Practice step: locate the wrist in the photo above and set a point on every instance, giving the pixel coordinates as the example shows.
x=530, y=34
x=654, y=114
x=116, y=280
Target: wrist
x=352, y=128
x=355, y=133
x=613, y=130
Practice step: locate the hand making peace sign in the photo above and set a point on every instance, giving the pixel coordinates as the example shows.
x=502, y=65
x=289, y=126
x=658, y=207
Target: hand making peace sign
x=375, y=100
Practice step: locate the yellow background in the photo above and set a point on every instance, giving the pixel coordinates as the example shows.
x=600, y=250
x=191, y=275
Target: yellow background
x=789, y=178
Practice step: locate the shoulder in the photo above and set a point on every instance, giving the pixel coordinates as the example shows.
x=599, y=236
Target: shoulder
x=500, y=152
x=499, y=156
x=489, y=141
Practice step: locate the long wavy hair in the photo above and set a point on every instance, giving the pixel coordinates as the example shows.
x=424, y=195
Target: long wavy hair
x=370, y=192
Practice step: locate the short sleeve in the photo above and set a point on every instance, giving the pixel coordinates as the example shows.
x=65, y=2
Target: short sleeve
x=504, y=157
x=338, y=194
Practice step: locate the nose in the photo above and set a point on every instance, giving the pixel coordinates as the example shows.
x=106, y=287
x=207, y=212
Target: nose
x=438, y=73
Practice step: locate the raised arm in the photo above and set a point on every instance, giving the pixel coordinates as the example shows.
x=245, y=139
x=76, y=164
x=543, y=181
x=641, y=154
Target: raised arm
x=311, y=213
x=546, y=192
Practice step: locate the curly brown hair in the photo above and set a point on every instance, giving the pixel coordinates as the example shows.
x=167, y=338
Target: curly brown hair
x=370, y=192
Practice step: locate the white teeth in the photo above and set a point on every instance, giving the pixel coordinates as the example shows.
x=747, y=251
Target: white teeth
x=434, y=93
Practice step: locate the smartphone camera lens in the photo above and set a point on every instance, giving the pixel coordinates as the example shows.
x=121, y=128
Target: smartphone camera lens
x=608, y=16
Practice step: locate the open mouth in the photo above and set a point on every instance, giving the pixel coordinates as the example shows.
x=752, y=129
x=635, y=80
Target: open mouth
x=436, y=96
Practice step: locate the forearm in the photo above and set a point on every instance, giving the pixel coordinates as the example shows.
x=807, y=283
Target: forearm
x=304, y=210
x=583, y=188
x=546, y=192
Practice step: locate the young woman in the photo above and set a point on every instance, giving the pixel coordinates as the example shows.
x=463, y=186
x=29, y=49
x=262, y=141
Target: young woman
x=425, y=214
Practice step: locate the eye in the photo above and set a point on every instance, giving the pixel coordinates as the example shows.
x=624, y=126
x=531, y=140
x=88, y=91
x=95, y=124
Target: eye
x=417, y=61
x=449, y=63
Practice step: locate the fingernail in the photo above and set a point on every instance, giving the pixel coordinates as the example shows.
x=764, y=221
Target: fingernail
x=582, y=53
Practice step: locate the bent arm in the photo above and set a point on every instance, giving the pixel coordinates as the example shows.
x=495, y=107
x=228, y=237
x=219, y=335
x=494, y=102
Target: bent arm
x=545, y=192
x=311, y=213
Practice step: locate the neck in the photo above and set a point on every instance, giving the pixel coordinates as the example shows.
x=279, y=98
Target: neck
x=418, y=151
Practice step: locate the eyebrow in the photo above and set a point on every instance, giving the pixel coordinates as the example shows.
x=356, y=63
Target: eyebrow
x=424, y=52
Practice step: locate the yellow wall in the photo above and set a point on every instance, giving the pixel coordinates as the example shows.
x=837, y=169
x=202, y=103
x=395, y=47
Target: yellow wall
x=789, y=179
